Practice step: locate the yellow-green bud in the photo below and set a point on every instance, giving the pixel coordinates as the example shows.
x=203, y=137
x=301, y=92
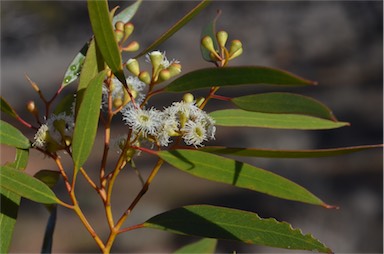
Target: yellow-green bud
x=133, y=46
x=236, y=54
x=174, y=69
x=117, y=102
x=119, y=25
x=207, y=43
x=128, y=29
x=235, y=46
x=133, y=66
x=222, y=37
x=199, y=101
x=145, y=77
x=67, y=140
x=119, y=34
x=156, y=59
x=164, y=75
x=188, y=97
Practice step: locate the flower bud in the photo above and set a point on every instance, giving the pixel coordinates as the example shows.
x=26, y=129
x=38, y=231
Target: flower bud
x=188, y=97
x=119, y=26
x=164, y=75
x=207, y=43
x=133, y=66
x=33, y=84
x=222, y=37
x=119, y=34
x=156, y=58
x=174, y=69
x=133, y=46
x=128, y=29
x=145, y=77
x=235, y=46
x=31, y=107
x=117, y=102
x=236, y=54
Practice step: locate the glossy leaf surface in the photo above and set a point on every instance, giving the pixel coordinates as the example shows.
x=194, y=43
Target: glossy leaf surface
x=11, y=136
x=87, y=120
x=232, y=224
x=284, y=103
x=242, y=118
x=10, y=202
x=220, y=169
x=182, y=22
x=233, y=76
x=105, y=36
x=270, y=153
x=206, y=245
x=26, y=186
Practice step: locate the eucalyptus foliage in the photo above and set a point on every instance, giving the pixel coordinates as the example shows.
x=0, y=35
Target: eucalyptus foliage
x=111, y=87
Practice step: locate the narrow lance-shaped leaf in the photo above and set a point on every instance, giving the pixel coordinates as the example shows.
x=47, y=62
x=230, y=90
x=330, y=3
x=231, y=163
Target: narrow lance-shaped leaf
x=239, y=174
x=11, y=136
x=86, y=121
x=6, y=108
x=206, y=245
x=210, y=30
x=284, y=103
x=233, y=76
x=232, y=224
x=127, y=14
x=26, y=186
x=242, y=118
x=105, y=36
x=10, y=203
x=270, y=153
x=182, y=22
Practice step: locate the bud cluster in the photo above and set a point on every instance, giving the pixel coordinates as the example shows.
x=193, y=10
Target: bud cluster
x=122, y=33
x=222, y=54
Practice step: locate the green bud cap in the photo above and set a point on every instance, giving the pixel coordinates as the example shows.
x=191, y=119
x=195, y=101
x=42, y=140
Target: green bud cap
x=236, y=54
x=164, y=75
x=174, y=69
x=145, y=77
x=207, y=43
x=128, y=29
x=156, y=58
x=133, y=46
x=235, y=46
x=222, y=37
x=188, y=97
x=119, y=25
x=119, y=34
x=133, y=66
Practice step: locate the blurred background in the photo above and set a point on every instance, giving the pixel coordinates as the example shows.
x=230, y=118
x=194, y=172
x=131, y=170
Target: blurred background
x=337, y=43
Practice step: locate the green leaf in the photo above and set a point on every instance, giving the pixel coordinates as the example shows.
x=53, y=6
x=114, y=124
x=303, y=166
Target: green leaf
x=26, y=186
x=105, y=36
x=74, y=68
x=127, y=14
x=220, y=169
x=93, y=64
x=242, y=118
x=284, y=103
x=87, y=120
x=11, y=136
x=205, y=245
x=270, y=153
x=231, y=76
x=49, y=177
x=10, y=203
x=6, y=108
x=210, y=30
x=232, y=224
x=182, y=22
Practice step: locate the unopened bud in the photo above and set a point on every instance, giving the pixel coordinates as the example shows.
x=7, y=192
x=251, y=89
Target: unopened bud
x=128, y=29
x=207, y=43
x=164, y=75
x=174, y=69
x=145, y=77
x=235, y=46
x=117, y=102
x=188, y=97
x=222, y=37
x=33, y=84
x=31, y=107
x=156, y=58
x=133, y=66
x=67, y=140
x=133, y=46
x=236, y=54
x=119, y=25
x=119, y=34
